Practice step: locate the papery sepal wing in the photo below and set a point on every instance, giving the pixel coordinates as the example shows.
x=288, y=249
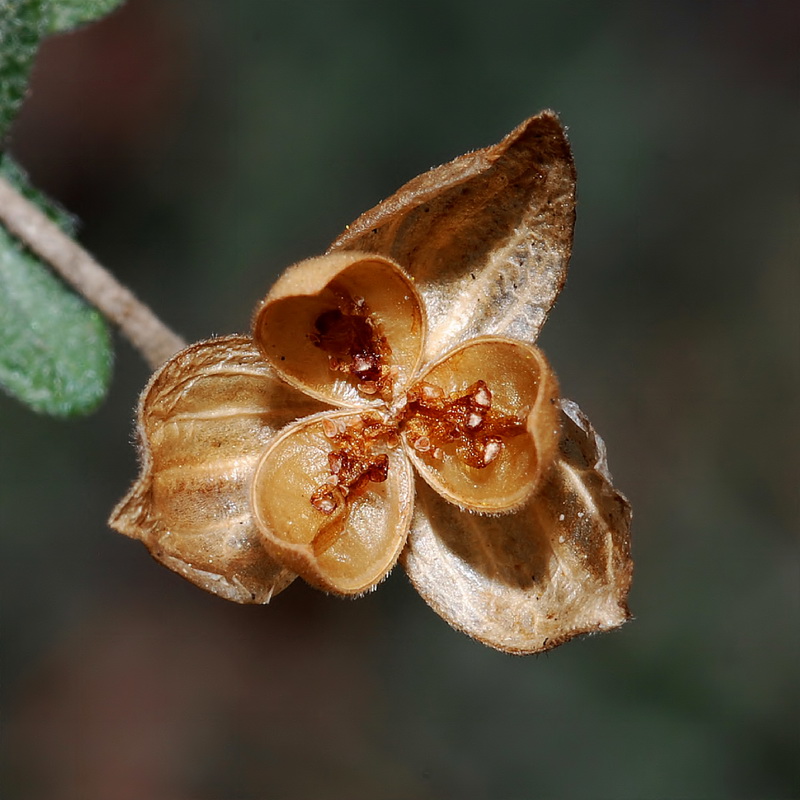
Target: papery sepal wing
x=528, y=581
x=203, y=421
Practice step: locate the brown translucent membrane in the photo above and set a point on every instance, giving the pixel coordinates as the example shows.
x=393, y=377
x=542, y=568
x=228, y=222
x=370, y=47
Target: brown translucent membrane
x=347, y=549
x=558, y=567
x=303, y=306
x=486, y=237
x=521, y=424
x=204, y=420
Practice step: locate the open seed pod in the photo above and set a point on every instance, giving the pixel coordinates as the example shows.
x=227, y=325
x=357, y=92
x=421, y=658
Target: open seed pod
x=333, y=501
x=345, y=328
x=409, y=346
x=488, y=422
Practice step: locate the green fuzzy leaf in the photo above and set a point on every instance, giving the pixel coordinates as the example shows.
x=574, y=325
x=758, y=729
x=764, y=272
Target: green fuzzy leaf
x=55, y=350
x=67, y=14
x=23, y=24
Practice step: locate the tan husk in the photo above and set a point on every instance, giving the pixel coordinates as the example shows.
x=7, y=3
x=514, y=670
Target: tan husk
x=238, y=452
x=522, y=386
x=486, y=237
x=204, y=420
x=347, y=552
x=287, y=315
x=524, y=583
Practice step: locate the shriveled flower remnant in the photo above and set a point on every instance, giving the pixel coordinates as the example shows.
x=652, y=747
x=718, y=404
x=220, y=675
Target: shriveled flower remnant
x=391, y=404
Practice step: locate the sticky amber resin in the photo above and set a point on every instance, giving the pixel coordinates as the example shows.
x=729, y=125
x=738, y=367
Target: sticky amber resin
x=460, y=424
x=354, y=463
x=354, y=342
x=482, y=424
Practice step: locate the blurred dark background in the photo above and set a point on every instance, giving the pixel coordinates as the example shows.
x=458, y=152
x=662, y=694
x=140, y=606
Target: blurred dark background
x=207, y=145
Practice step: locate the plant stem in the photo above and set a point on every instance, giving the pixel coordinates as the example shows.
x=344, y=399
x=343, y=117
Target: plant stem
x=146, y=332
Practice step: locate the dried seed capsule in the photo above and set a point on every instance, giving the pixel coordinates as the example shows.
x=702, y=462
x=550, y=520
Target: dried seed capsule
x=499, y=437
x=319, y=333
x=342, y=538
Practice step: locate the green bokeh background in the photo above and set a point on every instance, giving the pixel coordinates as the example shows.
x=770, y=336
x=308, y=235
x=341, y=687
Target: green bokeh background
x=205, y=146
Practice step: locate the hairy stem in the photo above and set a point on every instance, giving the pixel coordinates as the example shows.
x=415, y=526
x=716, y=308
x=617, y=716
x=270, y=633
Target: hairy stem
x=146, y=332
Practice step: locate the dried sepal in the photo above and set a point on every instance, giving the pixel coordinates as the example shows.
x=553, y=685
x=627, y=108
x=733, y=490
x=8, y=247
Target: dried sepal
x=490, y=437
x=341, y=534
x=203, y=421
x=557, y=568
x=486, y=237
x=345, y=328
